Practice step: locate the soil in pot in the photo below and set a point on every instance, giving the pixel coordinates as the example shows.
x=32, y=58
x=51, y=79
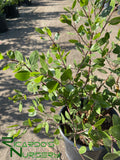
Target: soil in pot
x=3, y=24
x=11, y=11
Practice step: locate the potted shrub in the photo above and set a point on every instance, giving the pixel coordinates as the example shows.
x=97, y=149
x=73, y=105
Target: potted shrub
x=3, y=23
x=10, y=8
x=87, y=89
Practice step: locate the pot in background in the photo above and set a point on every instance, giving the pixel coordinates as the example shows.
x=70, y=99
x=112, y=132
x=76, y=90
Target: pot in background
x=11, y=11
x=3, y=24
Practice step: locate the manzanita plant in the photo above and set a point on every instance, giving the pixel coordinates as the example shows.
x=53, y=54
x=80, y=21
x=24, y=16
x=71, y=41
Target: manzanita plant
x=88, y=97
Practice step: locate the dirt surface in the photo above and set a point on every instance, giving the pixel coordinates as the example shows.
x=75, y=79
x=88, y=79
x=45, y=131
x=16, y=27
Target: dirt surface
x=22, y=36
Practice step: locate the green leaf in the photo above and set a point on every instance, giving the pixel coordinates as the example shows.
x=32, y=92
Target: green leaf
x=57, y=131
x=115, y=119
x=82, y=150
x=56, y=141
x=44, y=64
x=16, y=125
x=1, y=56
x=83, y=3
x=115, y=131
x=74, y=4
x=11, y=54
x=38, y=128
x=104, y=40
x=48, y=31
x=110, y=156
x=36, y=120
x=96, y=36
x=79, y=120
x=79, y=46
x=52, y=86
x=34, y=56
x=50, y=60
x=112, y=4
x=57, y=35
x=35, y=103
x=63, y=118
x=11, y=133
x=39, y=30
x=34, y=74
x=99, y=61
x=70, y=88
x=100, y=122
x=67, y=9
x=17, y=134
x=32, y=87
x=116, y=49
x=38, y=79
x=95, y=47
x=107, y=142
x=46, y=127
x=73, y=41
x=20, y=106
x=57, y=118
x=81, y=13
x=57, y=73
x=115, y=21
x=32, y=114
x=118, y=35
x=90, y=87
x=67, y=115
x=29, y=122
x=6, y=67
x=52, y=110
x=66, y=75
x=116, y=101
x=25, y=123
x=31, y=110
x=18, y=56
x=90, y=145
x=65, y=19
x=110, y=81
x=102, y=71
x=57, y=104
x=22, y=75
x=41, y=108
x=81, y=30
x=106, y=11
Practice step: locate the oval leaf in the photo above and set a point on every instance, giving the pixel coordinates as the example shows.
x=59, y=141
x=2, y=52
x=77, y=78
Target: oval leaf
x=115, y=21
x=82, y=150
x=39, y=30
x=115, y=131
x=110, y=81
x=46, y=127
x=22, y=75
x=110, y=156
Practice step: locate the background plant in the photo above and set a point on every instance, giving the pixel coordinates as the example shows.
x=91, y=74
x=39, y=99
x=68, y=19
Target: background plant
x=49, y=77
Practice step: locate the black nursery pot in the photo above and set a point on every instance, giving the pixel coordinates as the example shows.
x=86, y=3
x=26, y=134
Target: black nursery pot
x=28, y=2
x=11, y=11
x=3, y=24
x=25, y=2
